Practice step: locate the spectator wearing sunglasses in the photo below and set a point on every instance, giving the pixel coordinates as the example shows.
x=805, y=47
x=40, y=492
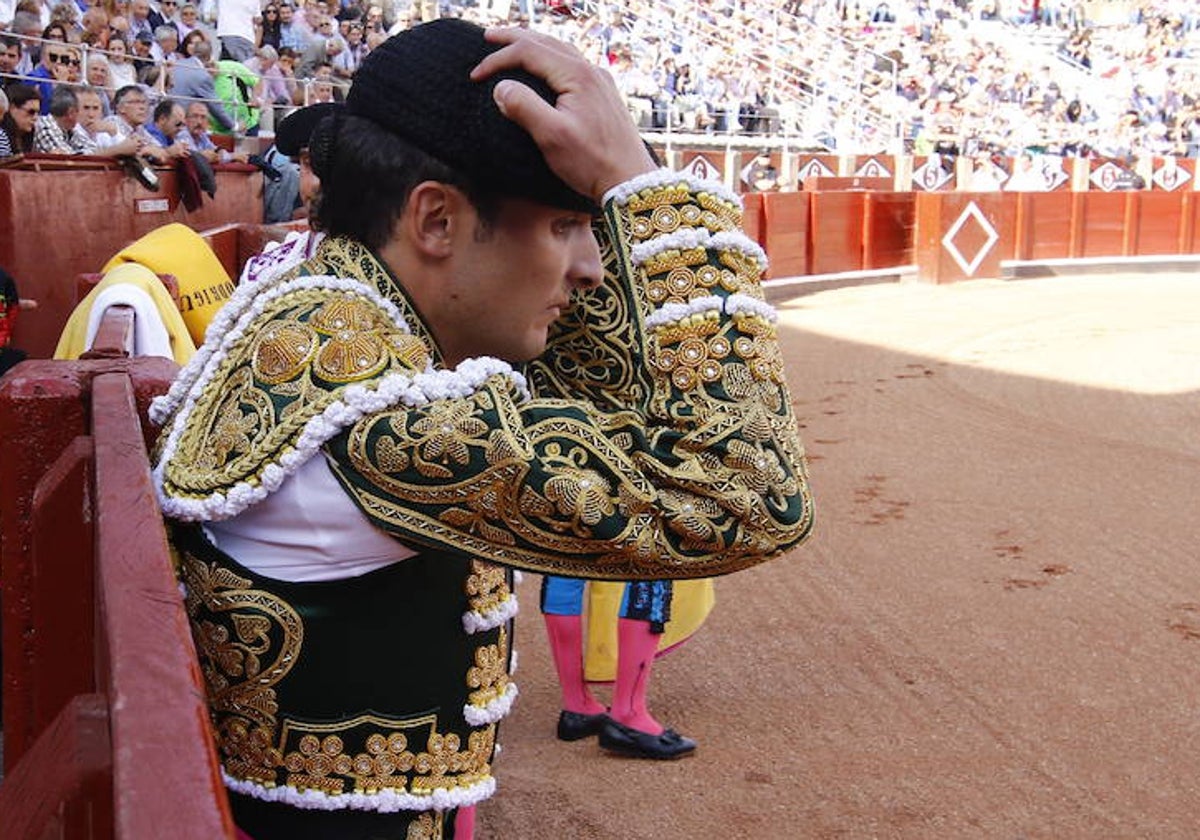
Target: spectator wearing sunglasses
x=53, y=68
x=270, y=33
x=18, y=121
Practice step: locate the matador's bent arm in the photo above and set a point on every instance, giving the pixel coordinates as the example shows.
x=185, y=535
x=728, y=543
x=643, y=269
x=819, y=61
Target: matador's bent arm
x=662, y=442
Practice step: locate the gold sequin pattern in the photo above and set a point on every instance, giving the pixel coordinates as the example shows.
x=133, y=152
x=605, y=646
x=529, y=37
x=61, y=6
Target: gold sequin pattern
x=664, y=209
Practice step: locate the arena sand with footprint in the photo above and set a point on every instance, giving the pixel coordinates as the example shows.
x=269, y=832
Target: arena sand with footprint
x=994, y=631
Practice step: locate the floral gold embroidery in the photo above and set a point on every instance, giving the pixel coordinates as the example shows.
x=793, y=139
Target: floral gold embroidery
x=371, y=753
x=488, y=677
x=282, y=351
x=487, y=586
x=247, y=641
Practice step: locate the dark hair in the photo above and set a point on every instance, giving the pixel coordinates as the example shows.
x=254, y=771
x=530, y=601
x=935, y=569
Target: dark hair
x=367, y=174
x=62, y=100
x=19, y=94
x=128, y=90
x=164, y=108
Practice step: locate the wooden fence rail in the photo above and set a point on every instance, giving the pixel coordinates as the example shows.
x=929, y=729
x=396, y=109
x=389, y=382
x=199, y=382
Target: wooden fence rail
x=105, y=726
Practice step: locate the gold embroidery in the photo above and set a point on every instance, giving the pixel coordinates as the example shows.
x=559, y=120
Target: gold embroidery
x=249, y=643
x=282, y=351
x=371, y=753
x=278, y=377
x=489, y=675
x=427, y=826
x=666, y=261
x=487, y=586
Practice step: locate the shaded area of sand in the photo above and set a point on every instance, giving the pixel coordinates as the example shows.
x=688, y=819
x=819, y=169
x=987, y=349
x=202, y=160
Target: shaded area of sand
x=995, y=631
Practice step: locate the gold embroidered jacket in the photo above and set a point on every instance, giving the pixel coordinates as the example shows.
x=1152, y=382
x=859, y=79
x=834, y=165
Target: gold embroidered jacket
x=668, y=448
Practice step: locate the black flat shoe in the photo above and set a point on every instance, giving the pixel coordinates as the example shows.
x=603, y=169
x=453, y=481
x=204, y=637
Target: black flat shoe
x=575, y=725
x=627, y=741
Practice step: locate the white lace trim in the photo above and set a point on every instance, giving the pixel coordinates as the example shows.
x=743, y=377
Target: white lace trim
x=664, y=177
x=493, y=710
x=475, y=621
x=386, y=801
x=738, y=304
x=356, y=401
x=688, y=237
x=673, y=312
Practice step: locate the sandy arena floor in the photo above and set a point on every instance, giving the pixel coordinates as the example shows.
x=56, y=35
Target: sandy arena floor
x=995, y=630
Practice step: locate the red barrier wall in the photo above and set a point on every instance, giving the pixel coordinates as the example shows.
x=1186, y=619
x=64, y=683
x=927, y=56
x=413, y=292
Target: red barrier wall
x=56, y=225
x=958, y=236
x=1045, y=225
x=836, y=232
x=785, y=232
x=1158, y=223
x=888, y=223
x=1105, y=223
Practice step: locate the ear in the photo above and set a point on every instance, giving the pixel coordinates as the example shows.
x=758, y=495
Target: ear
x=432, y=216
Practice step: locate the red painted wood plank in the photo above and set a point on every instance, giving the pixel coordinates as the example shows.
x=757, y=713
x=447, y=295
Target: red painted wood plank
x=62, y=585
x=70, y=760
x=160, y=733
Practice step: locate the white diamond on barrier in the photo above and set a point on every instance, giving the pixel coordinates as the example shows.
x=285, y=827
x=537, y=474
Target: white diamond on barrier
x=930, y=175
x=971, y=213
x=1170, y=176
x=703, y=168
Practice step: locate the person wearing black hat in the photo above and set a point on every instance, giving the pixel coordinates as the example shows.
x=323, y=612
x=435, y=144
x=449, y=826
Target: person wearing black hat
x=354, y=460
x=289, y=157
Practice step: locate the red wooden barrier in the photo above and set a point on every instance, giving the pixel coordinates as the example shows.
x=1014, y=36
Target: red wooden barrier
x=958, y=236
x=1158, y=223
x=888, y=224
x=836, y=232
x=46, y=240
x=90, y=604
x=752, y=216
x=785, y=234
x=62, y=787
x=1046, y=226
x=1105, y=223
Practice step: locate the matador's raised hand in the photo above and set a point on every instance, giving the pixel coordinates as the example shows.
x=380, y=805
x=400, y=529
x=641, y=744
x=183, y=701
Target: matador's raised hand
x=587, y=137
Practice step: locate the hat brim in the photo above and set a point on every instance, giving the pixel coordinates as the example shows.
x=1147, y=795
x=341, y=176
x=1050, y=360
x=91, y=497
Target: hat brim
x=295, y=130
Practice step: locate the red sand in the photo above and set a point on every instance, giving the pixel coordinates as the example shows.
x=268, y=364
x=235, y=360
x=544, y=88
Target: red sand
x=995, y=630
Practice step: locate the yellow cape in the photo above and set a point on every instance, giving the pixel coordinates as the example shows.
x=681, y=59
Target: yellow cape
x=176, y=249
x=73, y=341
x=691, y=603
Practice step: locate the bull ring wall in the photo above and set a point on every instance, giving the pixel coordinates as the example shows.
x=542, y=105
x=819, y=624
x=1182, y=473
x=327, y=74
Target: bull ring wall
x=97, y=670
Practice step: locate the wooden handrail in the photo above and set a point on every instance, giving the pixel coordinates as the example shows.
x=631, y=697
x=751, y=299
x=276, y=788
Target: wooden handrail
x=166, y=777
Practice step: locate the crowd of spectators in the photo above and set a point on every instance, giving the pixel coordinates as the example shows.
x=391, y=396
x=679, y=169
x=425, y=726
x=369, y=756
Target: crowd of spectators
x=1072, y=77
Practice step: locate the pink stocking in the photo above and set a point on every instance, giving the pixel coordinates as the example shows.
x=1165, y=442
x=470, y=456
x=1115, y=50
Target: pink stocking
x=464, y=823
x=566, y=645
x=637, y=647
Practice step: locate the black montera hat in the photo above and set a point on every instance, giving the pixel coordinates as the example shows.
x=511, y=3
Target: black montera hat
x=417, y=85
x=296, y=128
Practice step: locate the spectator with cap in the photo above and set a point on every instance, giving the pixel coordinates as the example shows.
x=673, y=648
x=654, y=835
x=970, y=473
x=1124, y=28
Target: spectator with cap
x=141, y=54
x=291, y=195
